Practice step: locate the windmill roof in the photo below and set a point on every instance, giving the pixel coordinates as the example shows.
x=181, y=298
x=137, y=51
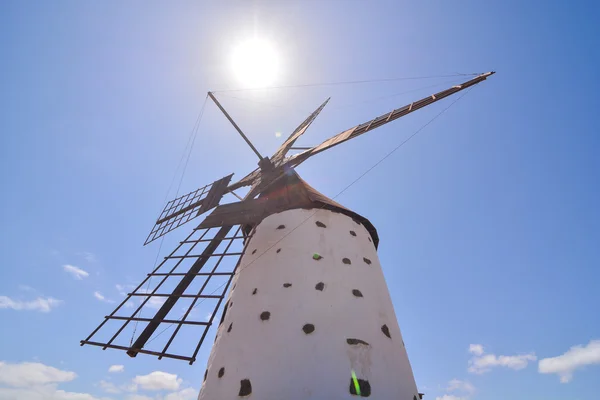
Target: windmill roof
x=287, y=192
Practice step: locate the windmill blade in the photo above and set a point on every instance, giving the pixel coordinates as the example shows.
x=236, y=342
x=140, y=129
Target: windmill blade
x=358, y=130
x=198, y=272
x=187, y=207
x=299, y=131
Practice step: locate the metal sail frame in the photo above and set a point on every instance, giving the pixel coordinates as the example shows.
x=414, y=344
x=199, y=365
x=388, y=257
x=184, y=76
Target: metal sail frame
x=270, y=169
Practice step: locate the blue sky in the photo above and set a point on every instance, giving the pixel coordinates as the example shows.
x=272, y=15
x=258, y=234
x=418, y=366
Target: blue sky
x=489, y=218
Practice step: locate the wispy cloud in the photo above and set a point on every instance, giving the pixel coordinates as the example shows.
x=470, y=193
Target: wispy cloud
x=450, y=397
x=456, y=385
x=481, y=362
x=116, y=368
x=39, y=304
x=109, y=387
x=575, y=358
x=463, y=388
x=100, y=297
x=89, y=257
x=76, y=272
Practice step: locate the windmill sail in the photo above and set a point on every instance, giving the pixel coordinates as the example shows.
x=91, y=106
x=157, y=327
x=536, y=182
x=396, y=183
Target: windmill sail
x=187, y=207
x=299, y=131
x=381, y=120
x=175, y=306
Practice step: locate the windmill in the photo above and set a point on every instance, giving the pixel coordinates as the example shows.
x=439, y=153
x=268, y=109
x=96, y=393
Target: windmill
x=308, y=314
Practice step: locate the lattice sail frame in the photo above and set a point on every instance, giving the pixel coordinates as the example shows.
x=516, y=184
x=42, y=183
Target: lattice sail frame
x=187, y=207
x=209, y=285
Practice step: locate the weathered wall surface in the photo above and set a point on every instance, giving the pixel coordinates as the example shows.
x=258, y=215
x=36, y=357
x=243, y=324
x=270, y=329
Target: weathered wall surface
x=309, y=305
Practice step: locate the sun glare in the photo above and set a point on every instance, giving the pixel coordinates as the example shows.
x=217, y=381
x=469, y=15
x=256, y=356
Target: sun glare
x=255, y=63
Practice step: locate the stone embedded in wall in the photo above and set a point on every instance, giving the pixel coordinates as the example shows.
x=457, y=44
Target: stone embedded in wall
x=357, y=293
x=320, y=224
x=265, y=315
x=308, y=328
x=287, y=284
x=317, y=257
x=278, y=250
x=221, y=372
x=254, y=291
x=367, y=261
x=230, y=326
x=346, y=261
x=281, y=227
x=364, y=387
x=353, y=233
x=353, y=341
x=254, y=251
x=320, y=286
x=245, y=388
x=385, y=330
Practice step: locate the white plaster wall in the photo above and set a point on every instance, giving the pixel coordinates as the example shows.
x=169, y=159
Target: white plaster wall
x=279, y=359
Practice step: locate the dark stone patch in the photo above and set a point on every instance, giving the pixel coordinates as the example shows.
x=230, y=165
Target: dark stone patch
x=245, y=388
x=357, y=293
x=367, y=261
x=230, y=326
x=317, y=257
x=278, y=250
x=308, y=328
x=205, y=374
x=287, y=284
x=221, y=372
x=320, y=286
x=265, y=315
x=320, y=224
x=254, y=291
x=369, y=239
x=385, y=330
x=353, y=233
x=253, y=251
x=356, y=341
x=363, y=385
x=346, y=261
x=281, y=227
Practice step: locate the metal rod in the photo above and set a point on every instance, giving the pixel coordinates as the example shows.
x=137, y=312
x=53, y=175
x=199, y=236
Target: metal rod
x=300, y=148
x=237, y=128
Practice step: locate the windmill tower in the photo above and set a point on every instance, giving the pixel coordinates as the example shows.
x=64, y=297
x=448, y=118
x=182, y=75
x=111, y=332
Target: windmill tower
x=308, y=315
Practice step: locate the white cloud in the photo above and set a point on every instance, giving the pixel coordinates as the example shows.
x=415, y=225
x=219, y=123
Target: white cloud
x=138, y=397
x=476, y=349
x=77, y=273
x=40, y=304
x=185, y=394
x=49, y=392
x=109, y=387
x=158, y=380
x=116, y=368
x=576, y=357
x=460, y=386
x=481, y=363
x=36, y=381
x=450, y=397
x=100, y=297
x=32, y=373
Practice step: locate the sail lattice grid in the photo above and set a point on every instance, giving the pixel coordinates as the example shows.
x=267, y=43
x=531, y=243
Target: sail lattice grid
x=174, y=307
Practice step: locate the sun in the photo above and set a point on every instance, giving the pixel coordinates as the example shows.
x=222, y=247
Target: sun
x=255, y=63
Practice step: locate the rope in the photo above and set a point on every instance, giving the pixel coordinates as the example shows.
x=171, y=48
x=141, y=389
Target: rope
x=345, y=82
x=336, y=196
